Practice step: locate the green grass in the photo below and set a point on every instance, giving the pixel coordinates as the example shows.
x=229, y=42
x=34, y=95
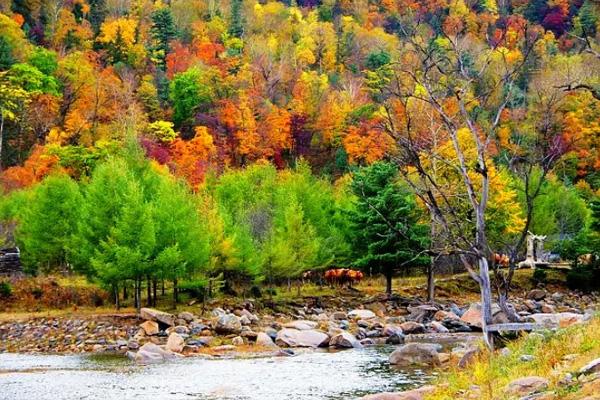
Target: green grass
x=491, y=373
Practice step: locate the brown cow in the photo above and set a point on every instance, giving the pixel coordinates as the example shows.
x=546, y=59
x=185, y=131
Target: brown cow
x=343, y=276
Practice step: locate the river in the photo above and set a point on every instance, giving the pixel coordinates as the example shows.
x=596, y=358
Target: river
x=310, y=375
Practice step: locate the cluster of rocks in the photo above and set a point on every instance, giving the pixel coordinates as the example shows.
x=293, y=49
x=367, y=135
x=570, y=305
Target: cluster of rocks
x=62, y=335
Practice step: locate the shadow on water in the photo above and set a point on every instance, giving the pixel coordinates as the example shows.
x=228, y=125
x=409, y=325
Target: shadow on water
x=318, y=375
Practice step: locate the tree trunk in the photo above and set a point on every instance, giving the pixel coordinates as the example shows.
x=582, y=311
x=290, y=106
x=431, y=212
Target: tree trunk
x=388, y=283
x=148, y=292
x=162, y=289
x=124, y=291
x=154, y=284
x=486, y=300
x=116, y=292
x=175, y=294
x=431, y=282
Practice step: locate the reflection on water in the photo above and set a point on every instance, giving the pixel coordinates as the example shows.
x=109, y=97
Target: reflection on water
x=310, y=375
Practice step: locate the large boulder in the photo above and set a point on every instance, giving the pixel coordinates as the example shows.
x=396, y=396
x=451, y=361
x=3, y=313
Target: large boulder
x=411, y=327
x=228, y=324
x=537, y=294
x=344, y=340
x=296, y=338
x=561, y=320
x=361, y=314
x=150, y=328
x=415, y=394
x=416, y=353
x=474, y=315
x=422, y=313
x=301, y=325
x=151, y=353
x=175, y=343
x=186, y=316
x=591, y=367
x=526, y=386
x=151, y=314
x=262, y=339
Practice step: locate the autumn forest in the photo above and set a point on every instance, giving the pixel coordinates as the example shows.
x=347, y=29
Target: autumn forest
x=243, y=143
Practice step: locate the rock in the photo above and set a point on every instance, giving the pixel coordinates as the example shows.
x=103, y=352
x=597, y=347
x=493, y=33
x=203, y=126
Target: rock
x=437, y=327
x=244, y=320
x=548, y=309
x=150, y=328
x=361, y=314
x=468, y=358
x=391, y=330
x=411, y=327
x=561, y=320
x=456, y=325
x=531, y=305
x=181, y=329
x=377, y=308
x=197, y=327
x=536, y=294
x=339, y=315
x=344, y=340
x=443, y=315
x=526, y=386
x=592, y=367
x=557, y=296
x=526, y=358
x=301, y=325
x=262, y=339
x=422, y=313
x=151, y=353
x=175, y=343
x=237, y=341
x=416, y=353
x=151, y=314
x=297, y=338
x=186, y=316
x=228, y=324
x=217, y=312
x=416, y=394
x=251, y=317
x=133, y=345
x=473, y=316
x=397, y=338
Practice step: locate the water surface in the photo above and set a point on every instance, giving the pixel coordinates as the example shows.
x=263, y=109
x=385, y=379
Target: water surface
x=319, y=375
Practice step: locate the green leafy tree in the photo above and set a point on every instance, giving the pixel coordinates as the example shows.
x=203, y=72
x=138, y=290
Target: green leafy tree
x=46, y=61
x=188, y=93
x=388, y=234
x=236, y=24
x=6, y=56
x=47, y=223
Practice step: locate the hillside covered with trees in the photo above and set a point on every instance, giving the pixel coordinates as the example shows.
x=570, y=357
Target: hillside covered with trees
x=241, y=143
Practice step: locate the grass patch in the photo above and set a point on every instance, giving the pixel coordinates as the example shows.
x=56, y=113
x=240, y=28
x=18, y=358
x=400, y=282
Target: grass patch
x=555, y=354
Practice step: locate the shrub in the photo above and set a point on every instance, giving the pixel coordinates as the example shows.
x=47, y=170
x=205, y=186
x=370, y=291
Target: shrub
x=195, y=288
x=584, y=277
x=5, y=290
x=540, y=275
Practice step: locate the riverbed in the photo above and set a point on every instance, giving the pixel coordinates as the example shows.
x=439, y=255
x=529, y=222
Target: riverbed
x=310, y=375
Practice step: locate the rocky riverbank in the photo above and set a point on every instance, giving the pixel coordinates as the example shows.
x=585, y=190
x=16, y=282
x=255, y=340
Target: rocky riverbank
x=154, y=335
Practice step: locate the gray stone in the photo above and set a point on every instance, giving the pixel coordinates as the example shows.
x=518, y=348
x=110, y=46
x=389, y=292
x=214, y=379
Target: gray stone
x=361, y=314
x=186, y=316
x=344, y=340
x=228, y=324
x=151, y=314
x=150, y=353
x=416, y=353
x=305, y=338
x=526, y=386
x=591, y=367
x=262, y=339
x=175, y=343
x=237, y=341
x=301, y=325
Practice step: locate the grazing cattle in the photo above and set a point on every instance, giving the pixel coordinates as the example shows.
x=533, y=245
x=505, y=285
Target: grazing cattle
x=343, y=276
x=501, y=260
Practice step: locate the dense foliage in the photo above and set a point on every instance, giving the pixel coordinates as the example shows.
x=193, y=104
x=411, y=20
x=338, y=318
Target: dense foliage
x=230, y=142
